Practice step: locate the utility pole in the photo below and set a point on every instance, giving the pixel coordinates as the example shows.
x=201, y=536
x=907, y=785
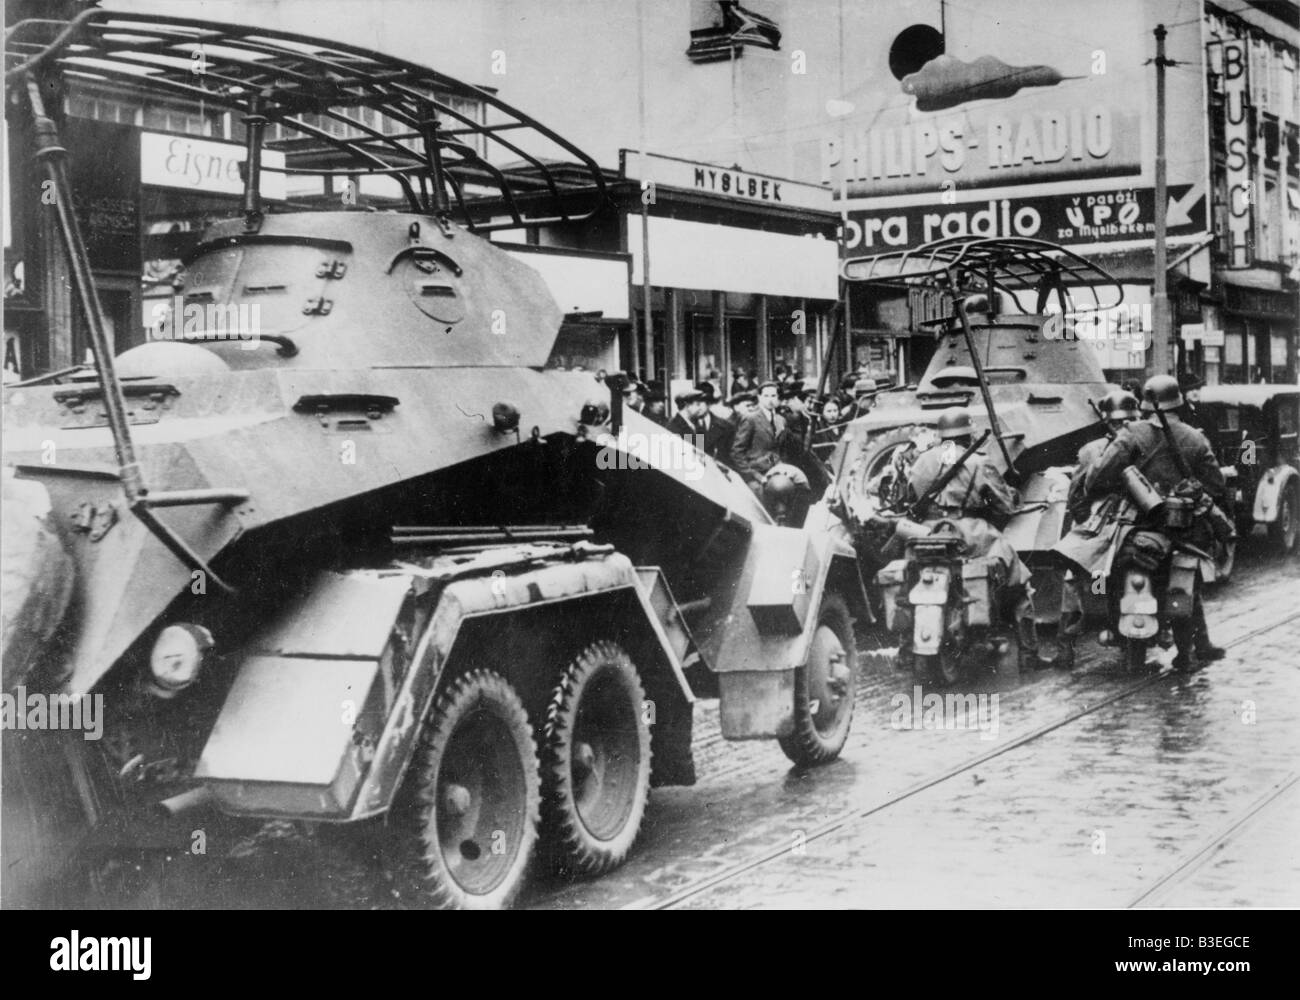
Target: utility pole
x=1158, y=361
x=647, y=341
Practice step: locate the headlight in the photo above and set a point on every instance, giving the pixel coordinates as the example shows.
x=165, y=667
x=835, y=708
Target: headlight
x=177, y=658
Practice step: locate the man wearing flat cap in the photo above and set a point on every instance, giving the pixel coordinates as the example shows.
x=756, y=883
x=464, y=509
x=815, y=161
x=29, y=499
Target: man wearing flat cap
x=756, y=447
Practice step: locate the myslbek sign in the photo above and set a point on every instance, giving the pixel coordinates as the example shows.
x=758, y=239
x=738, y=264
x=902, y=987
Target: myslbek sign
x=668, y=171
x=191, y=164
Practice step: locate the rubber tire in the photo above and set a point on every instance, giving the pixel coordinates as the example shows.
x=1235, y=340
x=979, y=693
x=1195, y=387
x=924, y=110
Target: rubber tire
x=807, y=746
x=1225, y=563
x=1135, y=656
x=875, y=456
x=1278, y=530
x=937, y=669
x=569, y=842
x=420, y=860
x=1184, y=630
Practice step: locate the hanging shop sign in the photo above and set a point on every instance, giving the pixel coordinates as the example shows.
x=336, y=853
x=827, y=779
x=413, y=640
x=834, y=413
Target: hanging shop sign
x=1236, y=137
x=192, y=164
x=709, y=178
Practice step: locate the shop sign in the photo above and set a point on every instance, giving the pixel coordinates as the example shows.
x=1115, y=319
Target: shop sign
x=192, y=164
x=1236, y=137
x=1067, y=219
x=709, y=178
x=105, y=181
x=1259, y=301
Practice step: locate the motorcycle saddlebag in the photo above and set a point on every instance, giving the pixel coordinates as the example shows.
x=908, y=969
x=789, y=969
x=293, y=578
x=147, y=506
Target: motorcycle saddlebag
x=890, y=580
x=1146, y=550
x=1182, y=585
x=978, y=583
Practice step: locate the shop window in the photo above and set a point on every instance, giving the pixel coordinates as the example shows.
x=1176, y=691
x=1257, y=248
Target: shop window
x=1234, y=370
x=1270, y=233
x=165, y=118
x=369, y=118
x=104, y=109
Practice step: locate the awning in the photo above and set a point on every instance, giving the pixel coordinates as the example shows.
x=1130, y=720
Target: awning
x=580, y=282
x=730, y=259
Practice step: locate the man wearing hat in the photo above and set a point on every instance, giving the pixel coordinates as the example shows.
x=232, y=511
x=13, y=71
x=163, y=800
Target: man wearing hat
x=742, y=404
x=755, y=448
x=634, y=391
x=864, y=395
x=716, y=428
x=1191, y=384
x=696, y=424
x=656, y=403
x=794, y=407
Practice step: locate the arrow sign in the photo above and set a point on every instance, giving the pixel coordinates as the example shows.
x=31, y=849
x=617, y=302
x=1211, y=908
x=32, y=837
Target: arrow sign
x=1179, y=211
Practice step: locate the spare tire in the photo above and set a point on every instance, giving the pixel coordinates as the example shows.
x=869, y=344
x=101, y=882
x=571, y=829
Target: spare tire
x=36, y=576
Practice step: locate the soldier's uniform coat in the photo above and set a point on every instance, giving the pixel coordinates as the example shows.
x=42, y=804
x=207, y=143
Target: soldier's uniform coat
x=975, y=492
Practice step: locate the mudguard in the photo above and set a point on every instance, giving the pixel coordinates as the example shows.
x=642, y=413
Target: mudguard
x=772, y=616
x=1139, y=609
x=927, y=631
x=1269, y=492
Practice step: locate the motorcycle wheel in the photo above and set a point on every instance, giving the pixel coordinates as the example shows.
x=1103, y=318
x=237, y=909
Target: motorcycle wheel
x=939, y=669
x=1135, y=656
x=1184, y=630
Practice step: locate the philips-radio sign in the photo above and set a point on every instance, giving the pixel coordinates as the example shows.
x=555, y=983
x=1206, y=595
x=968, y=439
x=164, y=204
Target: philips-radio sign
x=1020, y=119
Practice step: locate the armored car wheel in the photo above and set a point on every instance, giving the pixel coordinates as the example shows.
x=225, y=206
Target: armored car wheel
x=824, y=689
x=472, y=797
x=595, y=762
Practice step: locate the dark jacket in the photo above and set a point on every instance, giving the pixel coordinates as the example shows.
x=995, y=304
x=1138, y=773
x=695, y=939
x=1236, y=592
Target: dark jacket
x=714, y=439
x=756, y=447
x=1143, y=444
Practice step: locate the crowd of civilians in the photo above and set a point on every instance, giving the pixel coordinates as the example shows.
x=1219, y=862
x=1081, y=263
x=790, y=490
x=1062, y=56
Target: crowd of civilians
x=760, y=424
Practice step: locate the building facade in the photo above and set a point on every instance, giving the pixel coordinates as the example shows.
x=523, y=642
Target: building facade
x=889, y=123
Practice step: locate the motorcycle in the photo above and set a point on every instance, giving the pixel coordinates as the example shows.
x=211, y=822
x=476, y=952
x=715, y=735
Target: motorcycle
x=1157, y=576
x=951, y=607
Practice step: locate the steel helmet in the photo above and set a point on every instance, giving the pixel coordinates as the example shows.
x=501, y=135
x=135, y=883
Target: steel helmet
x=954, y=422
x=1119, y=405
x=1161, y=392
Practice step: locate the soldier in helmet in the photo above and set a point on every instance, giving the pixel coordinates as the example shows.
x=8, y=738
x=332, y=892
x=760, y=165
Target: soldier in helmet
x=971, y=498
x=1144, y=444
x=1089, y=545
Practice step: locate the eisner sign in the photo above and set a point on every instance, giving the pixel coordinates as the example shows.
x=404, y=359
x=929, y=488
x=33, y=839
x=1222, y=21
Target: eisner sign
x=671, y=172
x=192, y=164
